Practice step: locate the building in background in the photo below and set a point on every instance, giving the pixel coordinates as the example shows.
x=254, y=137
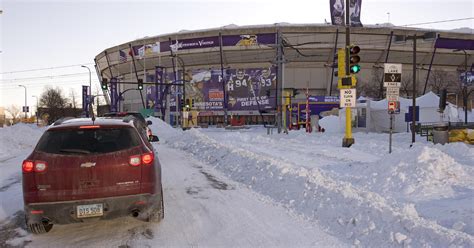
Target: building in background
x=234, y=68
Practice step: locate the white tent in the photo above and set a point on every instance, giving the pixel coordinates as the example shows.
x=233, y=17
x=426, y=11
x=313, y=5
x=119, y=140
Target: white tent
x=378, y=119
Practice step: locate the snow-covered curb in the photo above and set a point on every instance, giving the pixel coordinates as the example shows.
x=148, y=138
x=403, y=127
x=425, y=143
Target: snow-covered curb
x=362, y=217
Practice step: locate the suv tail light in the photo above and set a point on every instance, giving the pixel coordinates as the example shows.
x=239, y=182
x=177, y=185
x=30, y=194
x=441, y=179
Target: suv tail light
x=134, y=160
x=40, y=166
x=145, y=159
x=36, y=166
x=27, y=166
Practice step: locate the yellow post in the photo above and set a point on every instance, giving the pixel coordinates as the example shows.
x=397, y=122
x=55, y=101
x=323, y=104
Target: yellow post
x=348, y=124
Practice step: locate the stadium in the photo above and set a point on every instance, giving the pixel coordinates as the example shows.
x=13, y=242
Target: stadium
x=233, y=70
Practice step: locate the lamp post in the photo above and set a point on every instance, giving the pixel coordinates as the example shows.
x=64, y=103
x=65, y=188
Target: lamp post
x=464, y=89
x=90, y=87
x=25, y=107
x=425, y=36
x=37, y=115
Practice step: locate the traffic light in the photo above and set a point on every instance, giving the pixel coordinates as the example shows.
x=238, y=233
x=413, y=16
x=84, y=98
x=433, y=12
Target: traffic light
x=354, y=59
x=192, y=103
x=103, y=84
x=140, y=84
x=187, y=104
x=181, y=102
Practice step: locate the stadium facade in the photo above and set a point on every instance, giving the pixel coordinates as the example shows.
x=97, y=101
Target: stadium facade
x=234, y=69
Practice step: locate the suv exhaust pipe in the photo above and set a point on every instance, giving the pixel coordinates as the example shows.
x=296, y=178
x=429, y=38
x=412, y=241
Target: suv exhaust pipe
x=135, y=213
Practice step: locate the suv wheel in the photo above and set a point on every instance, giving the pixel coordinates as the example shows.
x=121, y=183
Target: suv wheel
x=157, y=213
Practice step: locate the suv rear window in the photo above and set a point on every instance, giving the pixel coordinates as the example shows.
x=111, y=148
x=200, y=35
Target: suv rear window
x=87, y=141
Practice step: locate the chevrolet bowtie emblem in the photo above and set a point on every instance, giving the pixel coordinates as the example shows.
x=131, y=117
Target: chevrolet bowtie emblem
x=87, y=165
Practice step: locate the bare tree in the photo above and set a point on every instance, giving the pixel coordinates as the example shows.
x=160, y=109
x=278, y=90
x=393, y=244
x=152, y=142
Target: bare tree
x=73, y=97
x=53, y=102
x=406, y=85
x=440, y=80
x=15, y=113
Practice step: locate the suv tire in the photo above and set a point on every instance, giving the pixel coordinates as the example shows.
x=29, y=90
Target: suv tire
x=157, y=213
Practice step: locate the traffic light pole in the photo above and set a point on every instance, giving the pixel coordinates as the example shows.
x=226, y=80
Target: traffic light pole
x=348, y=140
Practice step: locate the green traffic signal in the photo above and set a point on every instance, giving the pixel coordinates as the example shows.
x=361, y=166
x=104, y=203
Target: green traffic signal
x=355, y=68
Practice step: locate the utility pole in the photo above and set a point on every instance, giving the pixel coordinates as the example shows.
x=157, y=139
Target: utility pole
x=25, y=108
x=37, y=106
x=279, y=88
x=413, y=120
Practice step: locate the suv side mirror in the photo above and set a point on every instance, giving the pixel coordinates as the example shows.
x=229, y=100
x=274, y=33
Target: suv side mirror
x=154, y=138
x=149, y=122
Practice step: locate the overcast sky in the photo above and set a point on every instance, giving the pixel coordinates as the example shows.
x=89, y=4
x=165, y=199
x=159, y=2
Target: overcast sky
x=47, y=34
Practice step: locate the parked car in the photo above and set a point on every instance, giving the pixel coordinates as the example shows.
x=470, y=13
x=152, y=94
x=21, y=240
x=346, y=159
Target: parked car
x=83, y=169
x=137, y=115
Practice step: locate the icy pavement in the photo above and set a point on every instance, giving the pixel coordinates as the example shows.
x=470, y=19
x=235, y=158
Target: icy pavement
x=202, y=209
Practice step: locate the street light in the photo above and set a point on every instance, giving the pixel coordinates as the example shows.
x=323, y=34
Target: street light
x=37, y=115
x=26, y=105
x=464, y=89
x=425, y=36
x=90, y=88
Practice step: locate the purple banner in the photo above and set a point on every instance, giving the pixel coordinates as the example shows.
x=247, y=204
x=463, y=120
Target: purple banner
x=338, y=12
x=205, y=87
x=251, y=89
x=317, y=104
x=113, y=95
x=454, y=44
x=213, y=41
x=331, y=99
x=85, y=100
x=156, y=95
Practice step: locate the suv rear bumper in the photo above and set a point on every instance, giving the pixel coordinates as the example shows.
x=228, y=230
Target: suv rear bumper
x=113, y=207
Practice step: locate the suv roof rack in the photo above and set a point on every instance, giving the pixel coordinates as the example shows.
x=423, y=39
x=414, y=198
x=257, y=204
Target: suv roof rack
x=60, y=121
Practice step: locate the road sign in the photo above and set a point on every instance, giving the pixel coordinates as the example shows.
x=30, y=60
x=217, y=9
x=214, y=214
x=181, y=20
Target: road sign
x=392, y=84
x=392, y=75
x=394, y=107
x=393, y=93
x=347, y=98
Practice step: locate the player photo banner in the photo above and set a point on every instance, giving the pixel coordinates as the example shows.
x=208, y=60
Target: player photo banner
x=227, y=40
x=337, y=12
x=205, y=88
x=251, y=89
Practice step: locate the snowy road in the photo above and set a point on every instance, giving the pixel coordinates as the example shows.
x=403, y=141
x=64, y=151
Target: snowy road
x=202, y=208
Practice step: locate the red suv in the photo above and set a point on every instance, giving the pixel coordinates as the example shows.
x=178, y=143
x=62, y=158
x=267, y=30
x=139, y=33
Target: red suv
x=83, y=169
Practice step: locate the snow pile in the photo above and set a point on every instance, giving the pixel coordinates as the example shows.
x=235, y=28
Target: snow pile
x=359, y=216
x=422, y=173
x=330, y=124
x=162, y=129
x=18, y=137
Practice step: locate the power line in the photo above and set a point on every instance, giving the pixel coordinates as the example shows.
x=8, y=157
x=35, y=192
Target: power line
x=46, y=68
x=433, y=22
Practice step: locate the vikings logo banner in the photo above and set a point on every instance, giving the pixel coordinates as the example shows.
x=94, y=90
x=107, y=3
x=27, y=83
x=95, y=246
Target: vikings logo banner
x=337, y=12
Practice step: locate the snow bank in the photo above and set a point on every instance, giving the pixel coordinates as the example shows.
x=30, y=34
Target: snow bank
x=422, y=173
x=359, y=216
x=18, y=137
x=330, y=124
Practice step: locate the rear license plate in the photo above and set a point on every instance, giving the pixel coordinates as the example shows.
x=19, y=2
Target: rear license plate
x=92, y=210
